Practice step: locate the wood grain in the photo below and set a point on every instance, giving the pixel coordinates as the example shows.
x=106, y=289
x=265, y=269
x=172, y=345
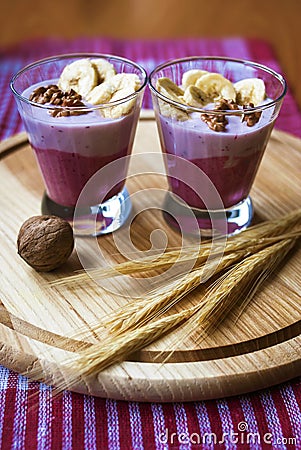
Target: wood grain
x=37, y=322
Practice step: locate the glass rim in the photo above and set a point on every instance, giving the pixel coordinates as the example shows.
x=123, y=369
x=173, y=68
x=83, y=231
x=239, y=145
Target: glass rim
x=227, y=112
x=84, y=108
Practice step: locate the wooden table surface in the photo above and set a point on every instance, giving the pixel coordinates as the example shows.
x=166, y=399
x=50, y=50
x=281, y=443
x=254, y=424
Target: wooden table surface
x=273, y=20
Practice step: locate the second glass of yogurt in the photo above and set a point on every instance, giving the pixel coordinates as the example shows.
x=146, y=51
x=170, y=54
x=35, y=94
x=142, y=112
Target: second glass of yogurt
x=214, y=116
x=80, y=112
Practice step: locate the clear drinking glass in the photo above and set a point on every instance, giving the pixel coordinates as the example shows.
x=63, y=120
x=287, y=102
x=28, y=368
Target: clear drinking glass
x=227, y=159
x=71, y=149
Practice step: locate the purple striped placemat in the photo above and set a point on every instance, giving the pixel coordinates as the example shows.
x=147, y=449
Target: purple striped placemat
x=148, y=54
x=271, y=418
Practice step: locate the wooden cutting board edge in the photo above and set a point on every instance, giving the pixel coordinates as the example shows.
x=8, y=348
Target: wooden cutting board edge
x=170, y=382
x=143, y=381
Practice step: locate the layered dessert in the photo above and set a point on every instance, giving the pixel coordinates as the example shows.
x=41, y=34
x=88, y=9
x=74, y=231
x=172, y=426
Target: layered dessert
x=73, y=138
x=226, y=141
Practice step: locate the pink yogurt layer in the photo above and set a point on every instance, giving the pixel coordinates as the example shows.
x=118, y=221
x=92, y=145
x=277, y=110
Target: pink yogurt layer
x=69, y=150
x=230, y=159
x=66, y=174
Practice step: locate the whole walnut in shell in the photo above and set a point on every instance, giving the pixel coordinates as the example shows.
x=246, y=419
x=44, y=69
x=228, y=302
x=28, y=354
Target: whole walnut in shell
x=45, y=242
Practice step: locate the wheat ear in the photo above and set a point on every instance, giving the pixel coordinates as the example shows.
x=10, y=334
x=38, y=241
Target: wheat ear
x=114, y=350
x=137, y=313
x=218, y=302
x=197, y=253
x=238, y=286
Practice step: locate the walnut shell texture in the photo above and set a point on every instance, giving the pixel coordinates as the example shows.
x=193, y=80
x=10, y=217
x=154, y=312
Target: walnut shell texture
x=45, y=242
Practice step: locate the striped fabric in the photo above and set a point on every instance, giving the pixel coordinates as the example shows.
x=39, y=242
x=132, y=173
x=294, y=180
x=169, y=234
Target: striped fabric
x=147, y=53
x=271, y=418
x=31, y=418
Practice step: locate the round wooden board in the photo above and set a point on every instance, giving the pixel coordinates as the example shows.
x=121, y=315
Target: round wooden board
x=260, y=349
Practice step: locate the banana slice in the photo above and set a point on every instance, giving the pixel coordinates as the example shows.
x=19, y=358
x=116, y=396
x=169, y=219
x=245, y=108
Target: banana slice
x=194, y=96
x=168, y=88
x=250, y=90
x=215, y=86
x=191, y=76
x=101, y=93
x=124, y=108
x=172, y=112
x=104, y=69
x=80, y=76
x=126, y=80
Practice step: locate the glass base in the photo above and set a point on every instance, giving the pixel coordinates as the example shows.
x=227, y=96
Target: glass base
x=92, y=220
x=208, y=224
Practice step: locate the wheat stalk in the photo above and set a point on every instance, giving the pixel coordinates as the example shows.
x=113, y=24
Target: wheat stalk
x=240, y=281
x=238, y=286
x=112, y=351
x=115, y=348
x=138, y=312
x=197, y=253
x=135, y=314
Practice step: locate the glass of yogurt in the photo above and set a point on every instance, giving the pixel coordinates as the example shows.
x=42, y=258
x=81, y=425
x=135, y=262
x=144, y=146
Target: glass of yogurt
x=214, y=117
x=80, y=112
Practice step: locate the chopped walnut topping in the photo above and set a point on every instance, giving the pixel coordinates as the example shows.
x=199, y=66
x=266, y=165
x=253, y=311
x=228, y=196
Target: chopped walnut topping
x=216, y=122
x=224, y=104
x=55, y=96
x=250, y=118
